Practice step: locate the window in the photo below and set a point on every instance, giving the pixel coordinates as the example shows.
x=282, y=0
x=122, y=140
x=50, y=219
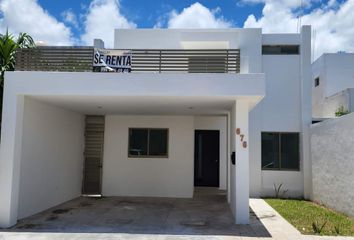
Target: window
x=317, y=81
x=207, y=64
x=280, y=49
x=280, y=151
x=148, y=142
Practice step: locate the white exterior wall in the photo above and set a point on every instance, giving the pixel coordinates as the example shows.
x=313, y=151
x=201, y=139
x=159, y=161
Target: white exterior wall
x=51, y=157
x=157, y=177
x=333, y=163
x=319, y=92
x=283, y=109
x=280, y=112
x=151, y=177
x=216, y=123
x=336, y=74
x=339, y=71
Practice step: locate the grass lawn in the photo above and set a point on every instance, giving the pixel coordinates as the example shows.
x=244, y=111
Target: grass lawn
x=302, y=214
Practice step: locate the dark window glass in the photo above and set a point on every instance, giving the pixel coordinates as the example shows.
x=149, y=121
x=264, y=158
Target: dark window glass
x=138, y=140
x=148, y=142
x=317, y=81
x=280, y=151
x=207, y=64
x=270, y=150
x=158, y=142
x=280, y=49
x=290, y=151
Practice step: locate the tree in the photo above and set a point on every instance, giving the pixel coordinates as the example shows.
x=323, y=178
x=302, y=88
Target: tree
x=8, y=48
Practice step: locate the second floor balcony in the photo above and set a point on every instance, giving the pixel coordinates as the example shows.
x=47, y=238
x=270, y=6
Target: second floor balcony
x=80, y=59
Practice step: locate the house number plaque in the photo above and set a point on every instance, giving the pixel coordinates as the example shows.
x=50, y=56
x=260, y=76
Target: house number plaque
x=242, y=137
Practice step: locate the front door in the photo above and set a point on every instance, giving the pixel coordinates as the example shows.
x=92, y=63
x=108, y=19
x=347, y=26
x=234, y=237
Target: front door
x=206, y=158
x=94, y=135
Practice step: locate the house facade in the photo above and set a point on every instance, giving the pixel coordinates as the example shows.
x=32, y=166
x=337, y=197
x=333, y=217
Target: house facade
x=210, y=108
x=333, y=84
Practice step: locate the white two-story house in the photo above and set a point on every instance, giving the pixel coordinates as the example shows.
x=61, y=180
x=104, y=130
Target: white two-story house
x=333, y=84
x=225, y=108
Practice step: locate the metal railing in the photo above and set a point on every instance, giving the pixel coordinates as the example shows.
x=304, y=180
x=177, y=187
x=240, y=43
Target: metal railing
x=79, y=59
x=191, y=61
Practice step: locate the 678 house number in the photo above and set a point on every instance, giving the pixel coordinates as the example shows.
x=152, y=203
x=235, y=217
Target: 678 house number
x=242, y=137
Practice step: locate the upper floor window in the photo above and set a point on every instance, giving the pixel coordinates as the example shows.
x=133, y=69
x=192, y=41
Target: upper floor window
x=148, y=142
x=317, y=81
x=208, y=64
x=280, y=49
x=280, y=151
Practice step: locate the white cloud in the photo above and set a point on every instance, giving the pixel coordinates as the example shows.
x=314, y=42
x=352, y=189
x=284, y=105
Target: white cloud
x=28, y=16
x=196, y=16
x=70, y=17
x=287, y=3
x=332, y=23
x=102, y=18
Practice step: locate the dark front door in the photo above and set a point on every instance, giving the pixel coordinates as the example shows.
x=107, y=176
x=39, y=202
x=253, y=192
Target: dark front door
x=94, y=135
x=206, y=158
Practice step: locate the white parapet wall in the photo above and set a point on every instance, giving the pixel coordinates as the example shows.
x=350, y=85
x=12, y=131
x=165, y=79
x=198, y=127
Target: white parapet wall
x=332, y=151
x=330, y=105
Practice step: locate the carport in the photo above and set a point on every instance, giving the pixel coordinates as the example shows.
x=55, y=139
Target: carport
x=43, y=141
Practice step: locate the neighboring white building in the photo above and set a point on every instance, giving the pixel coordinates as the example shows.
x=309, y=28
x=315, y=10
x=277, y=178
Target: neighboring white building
x=332, y=138
x=333, y=84
x=158, y=131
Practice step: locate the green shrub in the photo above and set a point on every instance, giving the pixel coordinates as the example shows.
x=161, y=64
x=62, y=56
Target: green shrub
x=341, y=111
x=317, y=227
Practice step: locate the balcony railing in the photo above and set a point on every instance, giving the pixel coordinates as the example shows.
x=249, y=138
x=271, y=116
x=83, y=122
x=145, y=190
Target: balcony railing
x=80, y=59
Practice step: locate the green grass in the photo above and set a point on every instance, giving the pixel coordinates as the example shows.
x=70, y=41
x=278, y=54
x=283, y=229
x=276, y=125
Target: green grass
x=302, y=214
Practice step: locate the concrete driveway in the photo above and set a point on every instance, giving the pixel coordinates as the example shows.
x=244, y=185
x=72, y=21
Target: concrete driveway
x=206, y=216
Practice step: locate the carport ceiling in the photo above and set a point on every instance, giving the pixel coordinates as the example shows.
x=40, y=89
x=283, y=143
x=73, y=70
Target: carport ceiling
x=146, y=105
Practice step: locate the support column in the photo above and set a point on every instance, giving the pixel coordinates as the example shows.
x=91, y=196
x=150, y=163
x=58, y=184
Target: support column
x=306, y=109
x=10, y=155
x=242, y=162
x=239, y=172
x=229, y=165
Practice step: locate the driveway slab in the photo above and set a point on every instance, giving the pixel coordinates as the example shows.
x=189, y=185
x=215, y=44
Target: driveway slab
x=206, y=216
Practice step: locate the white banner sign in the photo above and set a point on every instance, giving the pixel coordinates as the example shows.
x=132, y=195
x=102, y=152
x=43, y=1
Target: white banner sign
x=110, y=60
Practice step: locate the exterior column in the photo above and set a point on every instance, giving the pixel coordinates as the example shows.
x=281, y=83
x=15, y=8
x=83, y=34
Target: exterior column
x=242, y=162
x=229, y=165
x=306, y=109
x=10, y=154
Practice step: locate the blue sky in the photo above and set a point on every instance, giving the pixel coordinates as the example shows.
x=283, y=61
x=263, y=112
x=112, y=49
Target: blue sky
x=78, y=22
x=145, y=13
